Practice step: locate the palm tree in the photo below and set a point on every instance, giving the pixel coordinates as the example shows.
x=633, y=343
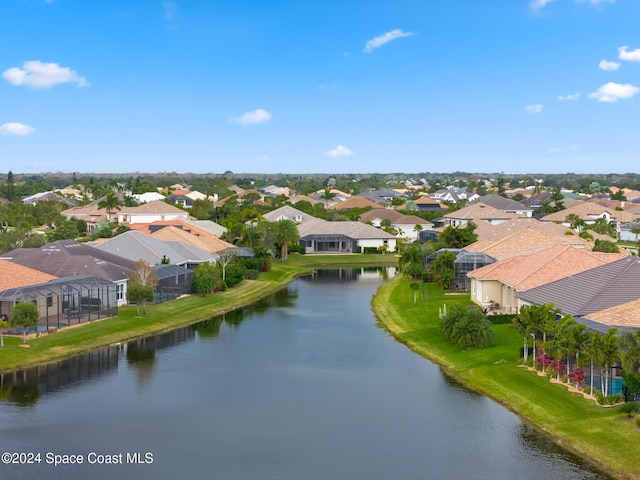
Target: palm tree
x=591, y=354
x=285, y=233
x=327, y=195
x=577, y=338
x=559, y=346
x=524, y=322
x=3, y=324
x=575, y=222
x=110, y=202
x=630, y=355
x=607, y=354
x=543, y=319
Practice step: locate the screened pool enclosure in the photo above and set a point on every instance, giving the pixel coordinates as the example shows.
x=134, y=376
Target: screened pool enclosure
x=64, y=301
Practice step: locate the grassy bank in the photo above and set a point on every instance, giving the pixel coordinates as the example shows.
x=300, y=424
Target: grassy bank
x=603, y=436
x=166, y=316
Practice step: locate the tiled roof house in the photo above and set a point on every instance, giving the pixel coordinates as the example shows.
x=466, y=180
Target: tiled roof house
x=499, y=282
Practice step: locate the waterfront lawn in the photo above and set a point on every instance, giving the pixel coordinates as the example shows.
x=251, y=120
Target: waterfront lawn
x=601, y=435
x=166, y=316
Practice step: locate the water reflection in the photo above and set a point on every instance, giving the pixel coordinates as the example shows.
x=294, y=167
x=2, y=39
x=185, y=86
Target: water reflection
x=349, y=274
x=24, y=387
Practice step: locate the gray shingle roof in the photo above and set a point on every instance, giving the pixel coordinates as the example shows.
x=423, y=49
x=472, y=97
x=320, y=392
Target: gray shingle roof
x=502, y=203
x=135, y=246
x=591, y=291
x=70, y=258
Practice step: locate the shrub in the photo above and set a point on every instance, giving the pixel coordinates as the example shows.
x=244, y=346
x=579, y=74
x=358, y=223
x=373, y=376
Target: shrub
x=370, y=250
x=251, y=274
x=629, y=409
x=577, y=377
x=542, y=362
x=234, y=274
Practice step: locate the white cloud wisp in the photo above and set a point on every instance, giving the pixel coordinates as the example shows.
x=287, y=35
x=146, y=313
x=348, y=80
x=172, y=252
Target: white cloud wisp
x=534, y=109
x=381, y=40
x=569, y=98
x=251, y=118
x=629, y=56
x=37, y=74
x=612, y=92
x=608, y=66
x=15, y=129
x=339, y=151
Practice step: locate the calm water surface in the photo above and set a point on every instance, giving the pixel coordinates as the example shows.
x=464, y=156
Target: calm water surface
x=299, y=386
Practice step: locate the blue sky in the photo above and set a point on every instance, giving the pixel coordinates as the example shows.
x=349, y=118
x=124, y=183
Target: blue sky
x=275, y=86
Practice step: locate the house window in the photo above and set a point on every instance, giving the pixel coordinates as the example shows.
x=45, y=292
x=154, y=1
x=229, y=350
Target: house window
x=120, y=291
x=49, y=300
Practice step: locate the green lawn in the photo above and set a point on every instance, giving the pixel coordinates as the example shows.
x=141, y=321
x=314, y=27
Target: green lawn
x=601, y=435
x=166, y=316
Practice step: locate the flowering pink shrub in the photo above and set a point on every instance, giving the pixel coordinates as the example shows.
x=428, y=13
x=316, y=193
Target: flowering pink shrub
x=577, y=376
x=556, y=367
x=542, y=361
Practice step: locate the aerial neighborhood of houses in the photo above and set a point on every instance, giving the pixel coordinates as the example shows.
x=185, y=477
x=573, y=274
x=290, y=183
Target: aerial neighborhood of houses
x=530, y=245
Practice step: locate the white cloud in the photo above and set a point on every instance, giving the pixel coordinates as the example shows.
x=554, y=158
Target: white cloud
x=539, y=4
x=339, y=151
x=251, y=118
x=15, y=129
x=612, y=92
x=377, y=42
x=327, y=87
x=169, y=9
x=537, y=108
x=37, y=74
x=570, y=97
x=608, y=66
x=630, y=56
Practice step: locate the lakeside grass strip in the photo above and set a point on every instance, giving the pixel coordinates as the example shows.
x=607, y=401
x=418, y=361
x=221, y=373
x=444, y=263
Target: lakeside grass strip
x=170, y=315
x=602, y=436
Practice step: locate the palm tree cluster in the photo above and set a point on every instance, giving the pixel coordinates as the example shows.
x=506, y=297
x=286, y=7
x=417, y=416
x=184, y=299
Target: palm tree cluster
x=468, y=327
x=566, y=345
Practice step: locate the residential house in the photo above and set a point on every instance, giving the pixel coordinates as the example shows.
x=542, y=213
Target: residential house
x=66, y=258
x=523, y=242
x=488, y=231
x=14, y=276
x=407, y=226
x=135, y=245
x=195, y=237
x=453, y=194
x=627, y=232
x=48, y=197
x=506, y=205
x=596, y=290
x=594, y=209
x=499, y=282
x=180, y=200
x=148, y=197
x=154, y=211
x=90, y=213
x=320, y=236
x=63, y=301
x=477, y=213
x=428, y=204
x=356, y=202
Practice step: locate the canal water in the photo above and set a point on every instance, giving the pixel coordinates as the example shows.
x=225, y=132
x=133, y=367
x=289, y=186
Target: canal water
x=299, y=386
